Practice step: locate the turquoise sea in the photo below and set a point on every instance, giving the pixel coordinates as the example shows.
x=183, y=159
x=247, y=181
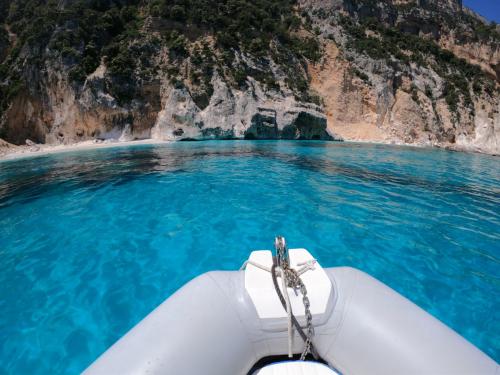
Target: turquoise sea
x=92, y=241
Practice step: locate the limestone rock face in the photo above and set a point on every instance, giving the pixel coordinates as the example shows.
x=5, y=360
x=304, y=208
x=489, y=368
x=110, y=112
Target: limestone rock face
x=62, y=115
x=385, y=99
x=378, y=112
x=486, y=136
x=6, y=147
x=230, y=114
x=393, y=71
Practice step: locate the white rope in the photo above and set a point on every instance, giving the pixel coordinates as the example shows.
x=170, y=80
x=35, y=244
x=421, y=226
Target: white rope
x=288, y=312
x=247, y=262
x=305, y=266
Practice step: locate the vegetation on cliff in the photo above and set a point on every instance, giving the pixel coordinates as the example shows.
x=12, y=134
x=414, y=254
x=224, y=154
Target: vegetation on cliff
x=377, y=41
x=406, y=36
x=132, y=45
x=128, y=35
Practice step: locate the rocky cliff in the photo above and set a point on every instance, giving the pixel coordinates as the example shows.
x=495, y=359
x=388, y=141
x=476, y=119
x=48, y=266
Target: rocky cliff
x=134, y=70
x=415, y=72
x=425, y=72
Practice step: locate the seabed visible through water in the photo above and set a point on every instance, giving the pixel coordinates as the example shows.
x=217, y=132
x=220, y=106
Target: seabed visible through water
x=92, y=241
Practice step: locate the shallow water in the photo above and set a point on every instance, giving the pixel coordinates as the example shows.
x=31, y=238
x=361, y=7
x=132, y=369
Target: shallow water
x=90, y=242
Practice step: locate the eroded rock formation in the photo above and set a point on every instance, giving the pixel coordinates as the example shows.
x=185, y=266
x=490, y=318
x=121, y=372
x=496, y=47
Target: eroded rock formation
x=421, y=72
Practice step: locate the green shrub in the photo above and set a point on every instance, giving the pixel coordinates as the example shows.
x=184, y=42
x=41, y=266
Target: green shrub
x=178, y=13
x=428, y=92
x=77, y=74
x=362, y=75
x=451, y=97
x=414, y=93
x=406, y=48
x=177, y=45
x=240, y=77
x=85, y=32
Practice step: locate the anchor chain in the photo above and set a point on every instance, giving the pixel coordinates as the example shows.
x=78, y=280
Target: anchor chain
x=293, y=280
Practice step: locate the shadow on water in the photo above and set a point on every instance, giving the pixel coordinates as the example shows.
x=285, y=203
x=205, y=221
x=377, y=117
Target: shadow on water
x=331, y=168
x=26, y=180
x=48, y=175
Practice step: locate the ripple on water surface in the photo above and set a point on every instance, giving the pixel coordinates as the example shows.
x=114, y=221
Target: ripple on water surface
x=91, y=242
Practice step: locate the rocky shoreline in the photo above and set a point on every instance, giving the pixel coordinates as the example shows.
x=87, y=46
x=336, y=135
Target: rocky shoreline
x=10, y=152
x=382, y=72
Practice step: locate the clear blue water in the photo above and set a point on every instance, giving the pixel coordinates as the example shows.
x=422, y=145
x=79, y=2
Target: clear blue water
x=91, y=242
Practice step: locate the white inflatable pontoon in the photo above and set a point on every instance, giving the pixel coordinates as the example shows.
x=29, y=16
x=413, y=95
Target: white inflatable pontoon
x=233, y=322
